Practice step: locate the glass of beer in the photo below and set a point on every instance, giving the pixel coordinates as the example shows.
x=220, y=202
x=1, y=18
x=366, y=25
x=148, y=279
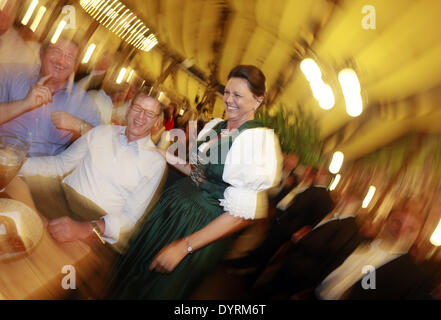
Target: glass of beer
x=13, y=152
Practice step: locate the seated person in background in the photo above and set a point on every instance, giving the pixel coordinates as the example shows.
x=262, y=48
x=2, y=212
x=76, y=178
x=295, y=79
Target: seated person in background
x=124, y=101
x=94, y=79
x=310, y=258
x=13, y=48
x=40, y=107
x=110, y=95
x=112, y=176
x=289, y=179
x=103, y=93
x=304, y=207
x=169, y=116
x=396, y=276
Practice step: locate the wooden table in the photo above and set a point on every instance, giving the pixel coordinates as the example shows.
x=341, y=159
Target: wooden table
x=39, y=275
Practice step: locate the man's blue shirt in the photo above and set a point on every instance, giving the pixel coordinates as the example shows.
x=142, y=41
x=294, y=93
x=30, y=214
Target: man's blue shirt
x=36, y=125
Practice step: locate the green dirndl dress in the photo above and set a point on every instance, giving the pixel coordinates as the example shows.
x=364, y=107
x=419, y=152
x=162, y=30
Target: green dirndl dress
x=184, y=208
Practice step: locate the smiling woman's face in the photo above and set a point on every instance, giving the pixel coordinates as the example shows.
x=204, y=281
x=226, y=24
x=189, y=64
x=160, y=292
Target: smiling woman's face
x=240, y=102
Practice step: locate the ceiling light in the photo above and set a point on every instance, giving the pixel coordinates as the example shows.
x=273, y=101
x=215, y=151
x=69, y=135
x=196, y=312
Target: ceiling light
x=116, y=17
x=310, y=69
x=336, y=162
x=40, y=13
x=29, y=12
x=130, y=75
x=120, y=78
x=320, y=90
x=323, y=93
x=435, y=239
x=335, y=182
x=89, y=53
x=368, y=197
x=351, y=91
x=57, y=33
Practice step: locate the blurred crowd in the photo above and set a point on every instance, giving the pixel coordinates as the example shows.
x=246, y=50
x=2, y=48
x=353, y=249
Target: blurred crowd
x=316, y=243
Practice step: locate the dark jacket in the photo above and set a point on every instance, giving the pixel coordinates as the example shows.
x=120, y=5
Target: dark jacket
x=308, y=262
x=400, y=278
x=308, y=209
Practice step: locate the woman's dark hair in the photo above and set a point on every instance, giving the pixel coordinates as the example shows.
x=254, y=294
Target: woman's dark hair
x=254, y=76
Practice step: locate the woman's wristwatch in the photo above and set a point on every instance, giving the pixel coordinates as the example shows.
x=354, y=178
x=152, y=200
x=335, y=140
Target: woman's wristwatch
x=189, y=248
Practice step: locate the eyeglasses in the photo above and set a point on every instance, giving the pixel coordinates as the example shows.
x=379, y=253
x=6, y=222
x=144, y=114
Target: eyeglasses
x=60, y=53
x=143, y=112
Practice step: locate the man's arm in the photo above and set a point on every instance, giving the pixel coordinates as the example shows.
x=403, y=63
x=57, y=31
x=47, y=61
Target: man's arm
x=37, y=96
x=65, y=229
x=65, y=121
x=59, y=165
x=79, y=116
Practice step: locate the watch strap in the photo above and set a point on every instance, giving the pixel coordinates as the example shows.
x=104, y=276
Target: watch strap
x=96, y=229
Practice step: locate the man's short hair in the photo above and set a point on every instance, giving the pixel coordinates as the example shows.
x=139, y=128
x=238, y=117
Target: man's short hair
x=142, y=94
x=47, y=43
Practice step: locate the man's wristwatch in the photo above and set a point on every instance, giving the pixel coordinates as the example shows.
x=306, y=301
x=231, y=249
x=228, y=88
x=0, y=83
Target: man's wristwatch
x=189, y=248
x=83, y=127
x=96, y=229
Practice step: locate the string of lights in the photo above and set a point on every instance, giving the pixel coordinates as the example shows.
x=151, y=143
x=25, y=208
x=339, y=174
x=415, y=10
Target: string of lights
x=116, y=17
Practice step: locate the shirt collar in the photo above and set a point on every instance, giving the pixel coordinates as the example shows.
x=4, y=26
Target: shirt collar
x=141, y=144
x=343, y=215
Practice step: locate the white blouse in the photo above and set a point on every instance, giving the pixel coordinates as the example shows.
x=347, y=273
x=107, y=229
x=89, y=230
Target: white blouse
x=253, y=165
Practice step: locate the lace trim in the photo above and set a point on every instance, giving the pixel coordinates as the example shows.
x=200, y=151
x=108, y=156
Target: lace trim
x=237, y=211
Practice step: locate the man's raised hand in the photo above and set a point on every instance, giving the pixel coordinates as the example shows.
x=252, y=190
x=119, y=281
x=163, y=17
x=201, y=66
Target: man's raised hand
x=39, y=94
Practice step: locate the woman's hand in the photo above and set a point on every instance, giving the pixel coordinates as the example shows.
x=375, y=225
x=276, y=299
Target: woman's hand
x=169, y=257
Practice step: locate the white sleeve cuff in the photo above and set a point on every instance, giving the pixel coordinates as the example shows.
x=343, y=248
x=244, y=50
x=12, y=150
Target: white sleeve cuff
x=111, y=230
x=245, y=203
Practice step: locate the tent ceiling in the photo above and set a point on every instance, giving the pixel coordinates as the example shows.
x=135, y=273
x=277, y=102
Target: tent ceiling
x=396, y=61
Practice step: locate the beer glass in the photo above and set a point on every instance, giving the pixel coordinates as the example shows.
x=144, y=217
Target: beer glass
x=13, y=152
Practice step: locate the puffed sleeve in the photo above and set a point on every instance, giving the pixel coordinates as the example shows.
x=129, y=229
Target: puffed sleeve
x=253, y=165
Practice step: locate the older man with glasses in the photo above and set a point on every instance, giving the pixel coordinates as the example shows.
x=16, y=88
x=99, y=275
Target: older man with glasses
x=114, y=175
x=41, y=105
